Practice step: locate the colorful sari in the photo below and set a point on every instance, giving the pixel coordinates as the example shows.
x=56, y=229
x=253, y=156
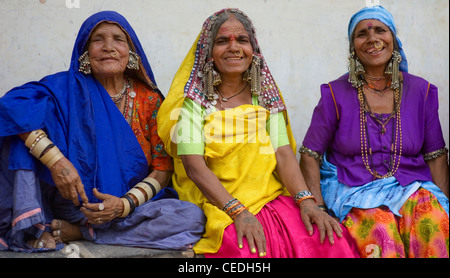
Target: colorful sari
x=239, y=152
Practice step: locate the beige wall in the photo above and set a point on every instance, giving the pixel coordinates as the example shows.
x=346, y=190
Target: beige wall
x=304, y=41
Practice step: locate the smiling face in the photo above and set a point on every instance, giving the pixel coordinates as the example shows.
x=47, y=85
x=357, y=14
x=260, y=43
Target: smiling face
x=374, y=43
x=108, y=50
x=232, y=51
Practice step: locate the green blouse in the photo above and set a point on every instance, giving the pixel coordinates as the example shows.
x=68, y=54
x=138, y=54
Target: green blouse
x=190, y=138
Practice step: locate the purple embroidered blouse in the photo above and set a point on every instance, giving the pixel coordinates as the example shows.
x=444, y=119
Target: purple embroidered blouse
x=335, y=129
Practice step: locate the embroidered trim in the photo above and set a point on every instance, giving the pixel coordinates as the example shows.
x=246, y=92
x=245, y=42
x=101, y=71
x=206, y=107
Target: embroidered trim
x=26, y=215
x=435, y=154
x=309, y=152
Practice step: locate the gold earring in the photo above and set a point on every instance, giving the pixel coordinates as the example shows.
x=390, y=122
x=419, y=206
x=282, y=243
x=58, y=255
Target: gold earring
x=210, y=79
x=355, y=69
x=255, y=75
x=393, y=68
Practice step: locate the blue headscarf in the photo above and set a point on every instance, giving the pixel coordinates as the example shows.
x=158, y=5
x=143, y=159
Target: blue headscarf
x=81, y=119
x=381, y=14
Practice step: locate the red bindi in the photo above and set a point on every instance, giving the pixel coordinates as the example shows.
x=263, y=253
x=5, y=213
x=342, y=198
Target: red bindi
x=369, y=25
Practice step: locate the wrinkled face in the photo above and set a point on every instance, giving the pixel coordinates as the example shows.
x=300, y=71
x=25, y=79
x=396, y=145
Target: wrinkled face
x=108, y=50
x=373, y=43
x=232, y=51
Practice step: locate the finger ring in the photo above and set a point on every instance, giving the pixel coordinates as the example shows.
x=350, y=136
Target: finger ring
x=99, y=220
x=101, y=206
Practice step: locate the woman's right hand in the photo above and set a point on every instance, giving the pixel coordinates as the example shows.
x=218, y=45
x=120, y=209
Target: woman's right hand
x=247, y=225
x=68, y=181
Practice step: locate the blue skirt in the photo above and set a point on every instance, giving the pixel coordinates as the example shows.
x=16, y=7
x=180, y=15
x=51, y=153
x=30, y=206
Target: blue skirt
x=340, y=198
x=28, y=205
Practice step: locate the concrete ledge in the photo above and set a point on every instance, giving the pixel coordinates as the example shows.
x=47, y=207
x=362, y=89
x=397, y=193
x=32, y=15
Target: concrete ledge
x=87, y=249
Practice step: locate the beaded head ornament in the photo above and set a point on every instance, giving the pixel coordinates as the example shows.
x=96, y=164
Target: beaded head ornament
x=199, y=86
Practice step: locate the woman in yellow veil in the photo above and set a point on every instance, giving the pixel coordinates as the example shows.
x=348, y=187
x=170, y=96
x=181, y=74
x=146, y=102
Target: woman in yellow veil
x=225, y=124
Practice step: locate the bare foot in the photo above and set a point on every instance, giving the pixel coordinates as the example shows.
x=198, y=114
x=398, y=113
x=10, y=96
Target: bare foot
x=45, y=241
x=64, y=231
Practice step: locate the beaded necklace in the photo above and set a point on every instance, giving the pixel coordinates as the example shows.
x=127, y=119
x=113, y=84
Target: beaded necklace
x=118, y=97
x=129, y=99
x=374, y=78
x=366, y=150
x=371, y=88
x=384, y=122
x=129, y=103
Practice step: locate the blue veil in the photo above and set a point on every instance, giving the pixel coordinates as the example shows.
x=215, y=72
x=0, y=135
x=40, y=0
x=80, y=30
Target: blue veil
x=81, y=119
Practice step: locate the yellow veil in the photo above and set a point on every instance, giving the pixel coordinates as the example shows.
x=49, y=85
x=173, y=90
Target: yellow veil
x=247, y=171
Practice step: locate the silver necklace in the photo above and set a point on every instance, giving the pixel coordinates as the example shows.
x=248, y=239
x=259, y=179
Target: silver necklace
x=118, y=97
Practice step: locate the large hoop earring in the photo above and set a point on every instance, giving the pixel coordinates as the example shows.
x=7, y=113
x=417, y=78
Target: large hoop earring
x=85, y=64
x=133, y=60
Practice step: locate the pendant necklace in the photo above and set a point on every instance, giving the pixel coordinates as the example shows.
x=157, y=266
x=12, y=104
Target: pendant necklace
x=225, y=99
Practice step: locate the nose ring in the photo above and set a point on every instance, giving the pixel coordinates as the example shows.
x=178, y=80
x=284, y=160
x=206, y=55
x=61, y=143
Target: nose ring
x=378, y=45
x=239, y=53
x=114, y=54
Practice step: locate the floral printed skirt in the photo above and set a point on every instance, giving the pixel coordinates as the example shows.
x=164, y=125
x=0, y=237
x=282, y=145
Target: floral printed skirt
x=421, y=232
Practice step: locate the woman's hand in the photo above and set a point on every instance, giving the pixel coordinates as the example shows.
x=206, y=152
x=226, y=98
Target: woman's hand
x=247, y=225
x=312, y=214
x=68, y=181
x=99, y=213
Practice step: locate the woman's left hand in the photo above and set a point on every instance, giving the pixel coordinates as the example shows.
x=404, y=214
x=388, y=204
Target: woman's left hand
x=99, y=213
x=327, y=225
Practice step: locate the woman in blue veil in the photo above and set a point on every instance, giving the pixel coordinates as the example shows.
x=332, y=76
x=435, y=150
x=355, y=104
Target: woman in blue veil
x=108, y=174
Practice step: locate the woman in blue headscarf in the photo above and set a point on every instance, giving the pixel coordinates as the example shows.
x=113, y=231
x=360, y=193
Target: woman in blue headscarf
x=374, y=153
x=89, y=134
